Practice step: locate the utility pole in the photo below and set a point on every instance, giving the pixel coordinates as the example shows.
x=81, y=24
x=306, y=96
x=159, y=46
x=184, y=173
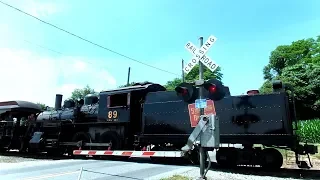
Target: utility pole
x=182, y=70
x=128, y=80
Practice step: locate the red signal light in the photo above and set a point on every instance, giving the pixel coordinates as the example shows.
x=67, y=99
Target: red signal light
x=184, y=91
x=212, y=88
x=215, y=89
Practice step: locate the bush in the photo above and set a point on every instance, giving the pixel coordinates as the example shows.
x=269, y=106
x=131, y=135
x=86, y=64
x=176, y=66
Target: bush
x=309, y=131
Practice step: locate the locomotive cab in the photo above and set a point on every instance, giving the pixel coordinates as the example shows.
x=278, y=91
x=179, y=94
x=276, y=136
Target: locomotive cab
x=123, y=106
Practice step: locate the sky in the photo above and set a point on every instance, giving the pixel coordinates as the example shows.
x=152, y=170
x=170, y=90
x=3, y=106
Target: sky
x=38, y=61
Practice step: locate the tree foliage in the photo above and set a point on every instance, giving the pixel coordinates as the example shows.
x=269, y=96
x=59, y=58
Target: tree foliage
x=297, y=64
x=43, y=106
x=135, y=83
x=194, y=75
x=81, y=93
x=207, y=74
x=170, y=85
x=190, y=77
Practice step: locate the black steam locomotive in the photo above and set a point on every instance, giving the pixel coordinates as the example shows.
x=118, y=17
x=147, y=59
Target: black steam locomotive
x=147, y=115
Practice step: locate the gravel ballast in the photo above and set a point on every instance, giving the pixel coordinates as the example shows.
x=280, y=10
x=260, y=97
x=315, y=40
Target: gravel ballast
x=12, y=159
x=194, y=173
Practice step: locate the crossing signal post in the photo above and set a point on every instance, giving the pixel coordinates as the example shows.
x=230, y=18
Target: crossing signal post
x=207, y=129
x=188, y=92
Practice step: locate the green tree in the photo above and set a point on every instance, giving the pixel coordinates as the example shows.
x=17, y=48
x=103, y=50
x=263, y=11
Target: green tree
x=170, y=85
x=297, y=64
x=43, y=106
x=190, y=77
x=207, y=74
x=135, y=83
x=127, y=85
x=305, y=79
x=81, y=93
x=305, y=50
x=194, y=75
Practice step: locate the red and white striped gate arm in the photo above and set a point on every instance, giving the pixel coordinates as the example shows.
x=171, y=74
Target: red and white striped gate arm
x=130, y=153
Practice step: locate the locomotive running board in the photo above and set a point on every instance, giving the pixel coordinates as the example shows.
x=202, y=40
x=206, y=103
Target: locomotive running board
x=129, y=153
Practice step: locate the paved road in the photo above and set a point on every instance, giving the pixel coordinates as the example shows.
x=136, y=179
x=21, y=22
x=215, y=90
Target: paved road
x=92, y=169
x=137, y=169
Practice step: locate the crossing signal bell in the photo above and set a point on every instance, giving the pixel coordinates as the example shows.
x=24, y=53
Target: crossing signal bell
x=185, y=91
x=215, y=89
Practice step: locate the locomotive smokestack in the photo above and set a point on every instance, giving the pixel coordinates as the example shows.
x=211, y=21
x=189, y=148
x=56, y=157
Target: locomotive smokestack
x=58, y=101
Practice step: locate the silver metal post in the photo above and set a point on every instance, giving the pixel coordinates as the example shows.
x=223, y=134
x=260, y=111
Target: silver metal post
x=201, y=78
x=202, y=152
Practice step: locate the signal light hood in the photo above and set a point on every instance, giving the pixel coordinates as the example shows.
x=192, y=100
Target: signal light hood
x=253, y=92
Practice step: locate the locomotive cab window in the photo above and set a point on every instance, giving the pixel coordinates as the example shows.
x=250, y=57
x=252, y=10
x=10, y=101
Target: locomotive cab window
x=118, y=100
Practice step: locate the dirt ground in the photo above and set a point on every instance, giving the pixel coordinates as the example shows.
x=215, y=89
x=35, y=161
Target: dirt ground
x=289, y=161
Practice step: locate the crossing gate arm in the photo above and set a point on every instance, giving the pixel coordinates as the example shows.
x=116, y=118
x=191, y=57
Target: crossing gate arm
x=129, y=153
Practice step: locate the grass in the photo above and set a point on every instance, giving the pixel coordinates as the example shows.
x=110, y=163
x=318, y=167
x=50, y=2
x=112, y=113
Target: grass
x=177, y=177
x=309, y=131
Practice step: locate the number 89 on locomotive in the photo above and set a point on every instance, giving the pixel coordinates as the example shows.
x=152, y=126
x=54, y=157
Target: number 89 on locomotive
x=112, y=115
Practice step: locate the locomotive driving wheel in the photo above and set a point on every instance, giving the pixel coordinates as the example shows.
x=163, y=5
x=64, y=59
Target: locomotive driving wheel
x=115, y=144
x=113, y=138
x=80, y=138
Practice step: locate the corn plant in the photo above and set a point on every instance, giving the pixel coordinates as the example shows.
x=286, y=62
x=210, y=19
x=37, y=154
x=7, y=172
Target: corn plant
x=309, y=130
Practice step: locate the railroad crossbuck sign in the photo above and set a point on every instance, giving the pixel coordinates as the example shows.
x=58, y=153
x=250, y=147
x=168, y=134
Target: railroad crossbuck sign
x=199, y=54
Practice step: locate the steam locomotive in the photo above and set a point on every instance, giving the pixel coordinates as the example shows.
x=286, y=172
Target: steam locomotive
x=148, y=120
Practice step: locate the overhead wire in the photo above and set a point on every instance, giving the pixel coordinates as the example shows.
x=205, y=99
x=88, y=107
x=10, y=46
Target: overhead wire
x=43, y=47
x=86, y=40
